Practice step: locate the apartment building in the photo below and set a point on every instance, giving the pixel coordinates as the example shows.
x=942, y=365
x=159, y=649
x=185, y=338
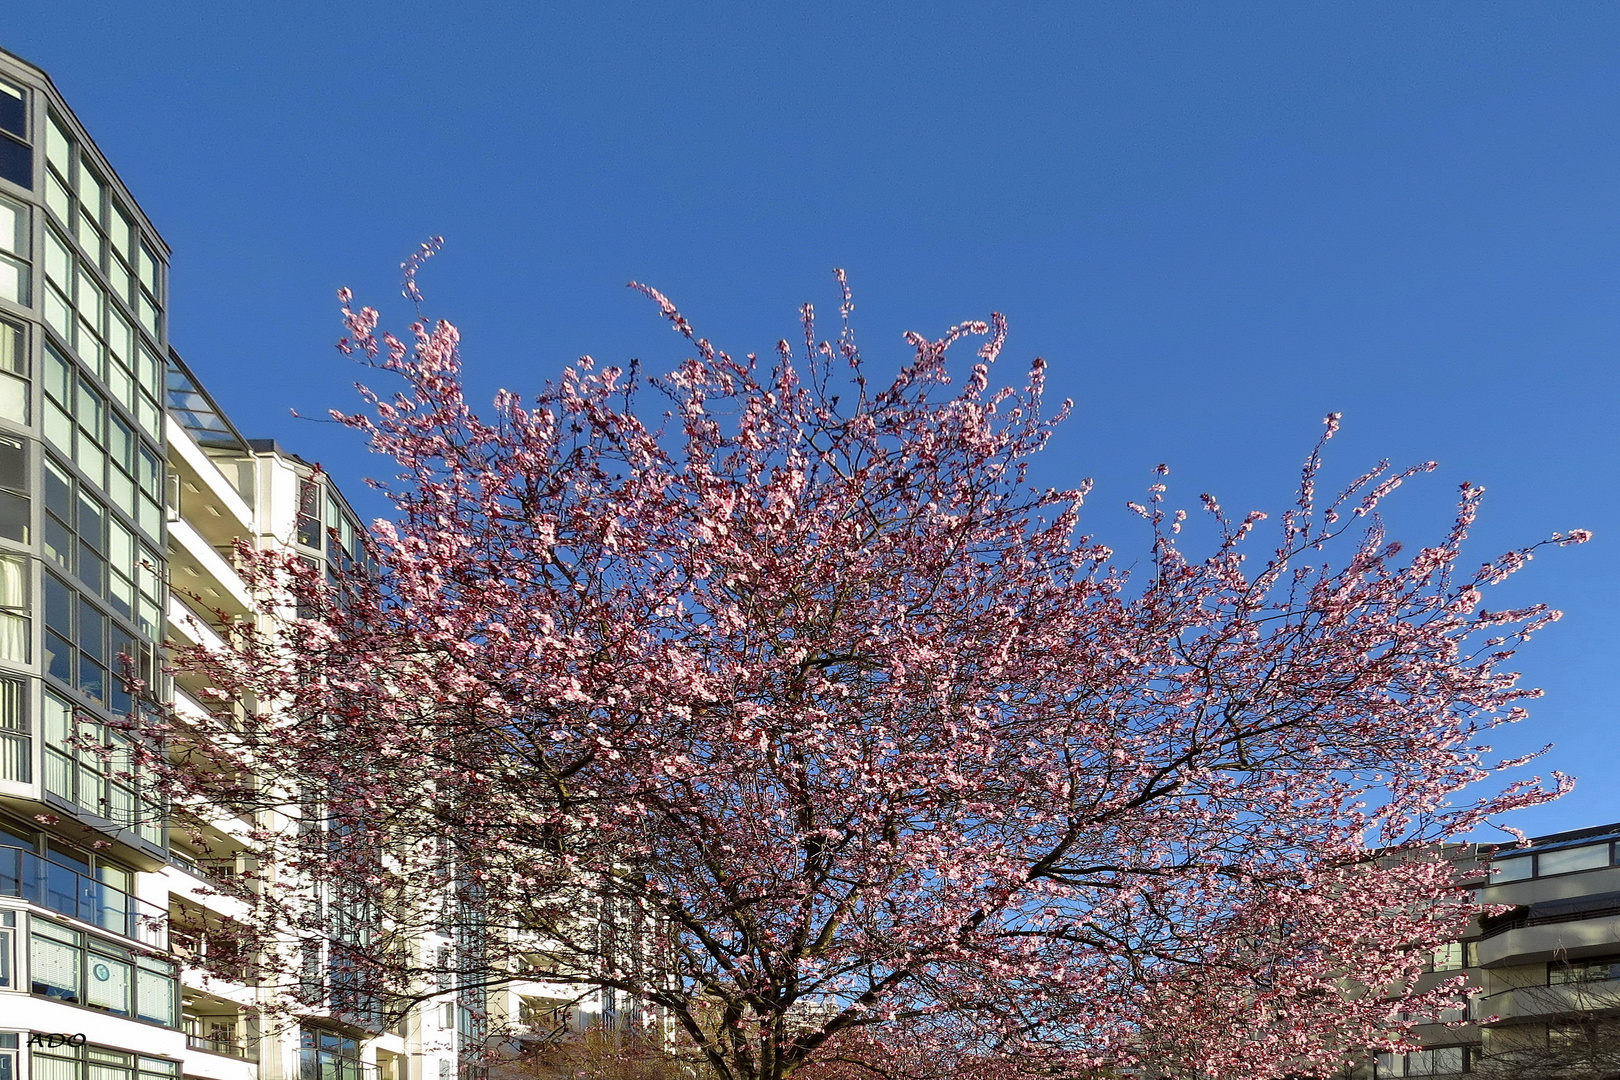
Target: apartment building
x=123, y=490
x=87, y=977
x=119, y=478
x=1546, y=971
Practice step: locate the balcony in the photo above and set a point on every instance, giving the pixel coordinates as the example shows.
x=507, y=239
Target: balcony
x=209, y=499
x=197, y=567
x=1542, y=1002
x=1576, y=927
x=218, y=1042
x=322, y=1065
x=64, y=890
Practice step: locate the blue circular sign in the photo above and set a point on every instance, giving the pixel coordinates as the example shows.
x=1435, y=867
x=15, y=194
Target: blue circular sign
x=101, y=972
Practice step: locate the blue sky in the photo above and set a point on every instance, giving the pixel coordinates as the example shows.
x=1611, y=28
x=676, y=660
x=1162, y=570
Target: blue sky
x=1216, y=222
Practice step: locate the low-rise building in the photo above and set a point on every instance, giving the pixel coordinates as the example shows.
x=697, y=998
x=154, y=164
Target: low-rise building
x=1546, y=971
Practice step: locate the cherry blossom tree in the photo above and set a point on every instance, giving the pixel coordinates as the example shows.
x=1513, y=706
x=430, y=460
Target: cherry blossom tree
x=771, y=697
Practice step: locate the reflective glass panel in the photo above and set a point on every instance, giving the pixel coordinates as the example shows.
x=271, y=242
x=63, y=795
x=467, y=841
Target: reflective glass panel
x=53, y=966
x=13, y=228
x=13, y=464
x=1514, y=869
x=14, y=281
x=13, y=348
x=13, y=397
x=13, y=109
x=108, y=986
x=1570, y=860
x=14, y=517
x=16, y=161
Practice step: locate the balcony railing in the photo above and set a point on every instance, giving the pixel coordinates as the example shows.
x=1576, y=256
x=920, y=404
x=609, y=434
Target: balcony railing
x=1595, y=907
x=63, y=889
x=321, y=1065
x=1545, y=999
x=231, y=1046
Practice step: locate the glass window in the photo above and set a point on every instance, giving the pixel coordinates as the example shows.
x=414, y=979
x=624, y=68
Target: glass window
x=13, y=717
x=1569, y=860
x=92, y=631
x=151, y=372
x=327, y=1055
x=59, y=722
x=1447, y=957
x=59, y=651
x=16, y=156
x=14, y=404
x=121, y=650
x=70, y=966
x=120, y=231
x=92, y=521
x=15, y=758
x=58, y=147
x=59, y=1063
x=58, y=377
x=90, y=189
x=58, y=261
x=120, y=547
x=109, y=985
x=14, y=621
x=13, y=358
x=13, y=464
x=59, y=486
x=88, y=236
x=309, y=513
x=157, y=1066
x=15, y=284
x=13, y=228
x=151, y=473
x=151, y=270
x=14, y=517
x=1517, y=868
x=53, y=961
x=120, y=338
x=16, y=161
x=155, y=991
x=13, y=583
x=92, y=302
x=91, y=410
x=92, y=642
x=58, y=605
x=13, y=348
x=120, y=443
x=14, y=507
x=57, y=197
x=59, y=313
x=17, y=836
x=13, y=110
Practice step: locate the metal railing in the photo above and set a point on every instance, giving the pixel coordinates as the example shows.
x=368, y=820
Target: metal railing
x=322, y=1065
x=63, y=889
x=231, y=1046
x=1501, y=924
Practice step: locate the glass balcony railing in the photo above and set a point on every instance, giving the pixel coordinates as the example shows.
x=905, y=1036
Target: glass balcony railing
x=68, y=892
